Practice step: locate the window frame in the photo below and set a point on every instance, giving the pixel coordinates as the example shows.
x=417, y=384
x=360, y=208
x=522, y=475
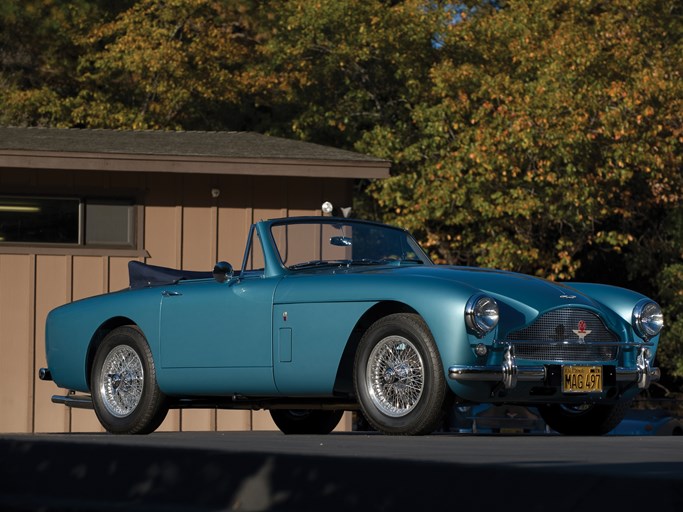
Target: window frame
x=123, y=196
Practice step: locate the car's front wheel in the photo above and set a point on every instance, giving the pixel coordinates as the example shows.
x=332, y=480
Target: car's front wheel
x=588, y=419
x=124, y=389
x=398, y=376
x=305, y=421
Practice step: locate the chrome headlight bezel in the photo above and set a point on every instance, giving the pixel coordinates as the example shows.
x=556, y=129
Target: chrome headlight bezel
x=481, y=314
x=647, y=319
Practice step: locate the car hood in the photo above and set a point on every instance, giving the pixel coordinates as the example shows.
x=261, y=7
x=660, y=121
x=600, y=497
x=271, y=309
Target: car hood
x=520, y=287
x=520, y=291
x=521, y=298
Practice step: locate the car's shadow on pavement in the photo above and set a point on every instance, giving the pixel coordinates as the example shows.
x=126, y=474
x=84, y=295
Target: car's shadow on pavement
x=40, y=473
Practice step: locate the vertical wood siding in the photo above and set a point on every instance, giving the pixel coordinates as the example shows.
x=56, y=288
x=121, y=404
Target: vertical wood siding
x=184, y=227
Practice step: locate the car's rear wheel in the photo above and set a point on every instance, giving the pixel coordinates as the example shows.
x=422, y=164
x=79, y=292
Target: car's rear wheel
x=125, y=394
x=398, y=376
x=305, y=421
x=587, y=419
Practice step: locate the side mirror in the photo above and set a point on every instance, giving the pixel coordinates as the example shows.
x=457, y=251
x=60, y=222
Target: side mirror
x=341, y=241
x=223, y=271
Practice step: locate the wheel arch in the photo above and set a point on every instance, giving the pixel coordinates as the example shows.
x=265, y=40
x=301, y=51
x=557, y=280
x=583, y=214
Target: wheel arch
x=343, y=384
x=98, y=337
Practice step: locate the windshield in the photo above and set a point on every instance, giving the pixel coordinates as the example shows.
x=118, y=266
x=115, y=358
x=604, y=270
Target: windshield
x=328, y=242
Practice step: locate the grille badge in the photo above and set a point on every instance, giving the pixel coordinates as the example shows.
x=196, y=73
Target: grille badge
x=582, y=332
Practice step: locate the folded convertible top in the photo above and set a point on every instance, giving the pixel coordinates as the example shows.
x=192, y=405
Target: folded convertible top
x=142, y=275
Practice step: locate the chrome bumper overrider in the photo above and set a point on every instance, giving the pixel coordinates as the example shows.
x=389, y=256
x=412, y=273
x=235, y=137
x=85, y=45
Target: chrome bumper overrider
x=509, y=373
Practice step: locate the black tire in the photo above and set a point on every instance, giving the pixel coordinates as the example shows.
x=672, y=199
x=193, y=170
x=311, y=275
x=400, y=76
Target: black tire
x=124, y=388
x=407, y=395
x=305, y=421
x=585, y=420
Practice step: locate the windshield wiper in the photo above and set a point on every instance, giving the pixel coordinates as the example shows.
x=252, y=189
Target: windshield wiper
x=384, y=261
x=317, y=263
x=349, y=263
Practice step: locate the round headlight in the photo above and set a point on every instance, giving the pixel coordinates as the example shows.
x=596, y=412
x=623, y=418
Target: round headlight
x=481, y=314
x=647, y=319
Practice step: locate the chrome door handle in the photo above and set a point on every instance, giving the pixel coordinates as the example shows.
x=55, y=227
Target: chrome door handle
x=166, y=293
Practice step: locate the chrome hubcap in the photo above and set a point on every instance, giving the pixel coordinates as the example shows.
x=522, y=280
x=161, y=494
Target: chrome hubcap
x=395, y=376
x=121, y=381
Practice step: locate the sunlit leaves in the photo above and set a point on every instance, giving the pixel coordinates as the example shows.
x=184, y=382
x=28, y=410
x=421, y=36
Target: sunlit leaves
x=158, y=62
x=39, y=56
x=348, y=67
x=549, y=133
x=671, y=349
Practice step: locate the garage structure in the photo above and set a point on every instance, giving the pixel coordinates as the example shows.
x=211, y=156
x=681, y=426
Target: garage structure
x=77, y=205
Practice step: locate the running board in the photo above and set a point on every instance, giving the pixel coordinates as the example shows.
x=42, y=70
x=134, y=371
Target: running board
x=85, y=402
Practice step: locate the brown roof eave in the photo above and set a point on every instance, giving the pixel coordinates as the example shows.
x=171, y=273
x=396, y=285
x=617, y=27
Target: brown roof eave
x=122, y=162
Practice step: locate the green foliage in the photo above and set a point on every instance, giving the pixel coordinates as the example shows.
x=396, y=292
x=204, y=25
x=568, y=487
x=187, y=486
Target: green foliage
x=668, y=255
x=550, y=133
x=670, y=353
x=348, y=66
x=38, y=56
x=172, y=64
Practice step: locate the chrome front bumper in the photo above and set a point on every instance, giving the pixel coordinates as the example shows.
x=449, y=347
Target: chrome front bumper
x=509, y=373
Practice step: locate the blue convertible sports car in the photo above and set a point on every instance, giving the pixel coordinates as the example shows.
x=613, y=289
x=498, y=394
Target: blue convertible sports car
x=329, y=314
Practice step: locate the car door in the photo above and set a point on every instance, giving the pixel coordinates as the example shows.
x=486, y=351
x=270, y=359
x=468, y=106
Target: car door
x=207, y=324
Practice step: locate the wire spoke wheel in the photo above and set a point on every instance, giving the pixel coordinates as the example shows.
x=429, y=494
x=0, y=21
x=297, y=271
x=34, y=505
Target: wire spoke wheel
x=395, y=376
x=399, y=378
x=122, y=381
x=125, y=393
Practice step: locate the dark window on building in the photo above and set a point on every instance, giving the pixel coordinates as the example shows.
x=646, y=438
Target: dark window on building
x=109, y=223
x=67, y=221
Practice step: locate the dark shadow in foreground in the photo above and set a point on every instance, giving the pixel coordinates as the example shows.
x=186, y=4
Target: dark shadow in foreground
x=41, y=475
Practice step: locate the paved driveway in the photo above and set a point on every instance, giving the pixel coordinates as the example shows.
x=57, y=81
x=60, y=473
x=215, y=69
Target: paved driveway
x=346, y=471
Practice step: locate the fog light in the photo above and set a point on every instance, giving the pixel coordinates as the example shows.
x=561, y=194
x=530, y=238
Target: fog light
x=481, y=350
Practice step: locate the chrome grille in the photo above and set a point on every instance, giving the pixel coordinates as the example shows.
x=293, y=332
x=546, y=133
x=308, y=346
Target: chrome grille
x=565, y=352
x=551, y=337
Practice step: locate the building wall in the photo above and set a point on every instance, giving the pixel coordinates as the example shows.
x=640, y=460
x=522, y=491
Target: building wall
x=183, y=227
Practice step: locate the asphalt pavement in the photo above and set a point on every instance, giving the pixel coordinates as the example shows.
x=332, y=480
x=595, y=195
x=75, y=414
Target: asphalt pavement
x=224, y=471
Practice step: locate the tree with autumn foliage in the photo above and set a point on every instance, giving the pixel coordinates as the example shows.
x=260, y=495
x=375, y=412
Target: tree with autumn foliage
x=350, y=66
x=550, y=132
x=176, y=64
x=40, y=54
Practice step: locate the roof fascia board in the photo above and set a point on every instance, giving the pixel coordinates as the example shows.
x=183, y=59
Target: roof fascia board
x=18, y=159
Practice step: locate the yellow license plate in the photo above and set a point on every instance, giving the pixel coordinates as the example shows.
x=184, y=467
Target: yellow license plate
x=581, y=379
